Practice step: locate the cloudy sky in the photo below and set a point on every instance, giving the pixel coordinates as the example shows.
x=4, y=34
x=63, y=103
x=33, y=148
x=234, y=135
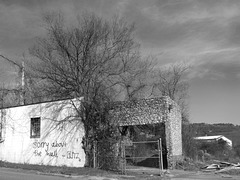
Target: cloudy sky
x=205, y=33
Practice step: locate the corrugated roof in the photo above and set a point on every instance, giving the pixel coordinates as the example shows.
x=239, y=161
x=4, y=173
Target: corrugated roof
x=216, y=137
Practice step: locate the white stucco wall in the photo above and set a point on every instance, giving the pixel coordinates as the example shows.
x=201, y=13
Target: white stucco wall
x=58, y=145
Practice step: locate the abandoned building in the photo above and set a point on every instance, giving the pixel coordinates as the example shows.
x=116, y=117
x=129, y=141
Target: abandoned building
x=32, y=133
x=161, y=110
x=216, y=138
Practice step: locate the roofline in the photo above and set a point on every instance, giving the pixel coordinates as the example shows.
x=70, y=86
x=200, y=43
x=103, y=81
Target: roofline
x=215, y=138
x=8, y=107
x=141, y=99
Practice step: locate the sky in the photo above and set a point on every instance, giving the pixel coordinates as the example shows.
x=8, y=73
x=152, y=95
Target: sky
x=204, y=33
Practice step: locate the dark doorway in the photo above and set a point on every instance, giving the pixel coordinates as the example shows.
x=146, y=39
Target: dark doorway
x=145, y=151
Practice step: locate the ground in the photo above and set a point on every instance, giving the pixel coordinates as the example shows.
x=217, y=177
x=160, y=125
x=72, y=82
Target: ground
x=11, y=171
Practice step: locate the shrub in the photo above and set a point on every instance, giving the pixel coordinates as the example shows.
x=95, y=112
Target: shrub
x=189, y=144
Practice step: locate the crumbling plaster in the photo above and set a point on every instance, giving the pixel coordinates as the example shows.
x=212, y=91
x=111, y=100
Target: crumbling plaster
x=152, y=111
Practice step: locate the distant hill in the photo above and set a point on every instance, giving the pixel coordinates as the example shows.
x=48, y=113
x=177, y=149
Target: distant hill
x=230, y=131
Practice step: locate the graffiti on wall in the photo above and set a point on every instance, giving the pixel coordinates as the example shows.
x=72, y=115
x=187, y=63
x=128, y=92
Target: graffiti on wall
x=54, y=150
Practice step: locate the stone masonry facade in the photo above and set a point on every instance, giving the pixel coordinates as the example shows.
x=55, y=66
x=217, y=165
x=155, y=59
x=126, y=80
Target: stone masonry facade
x=153, y=111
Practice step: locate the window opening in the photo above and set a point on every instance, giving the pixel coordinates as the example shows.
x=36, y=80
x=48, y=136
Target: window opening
x=35, y=128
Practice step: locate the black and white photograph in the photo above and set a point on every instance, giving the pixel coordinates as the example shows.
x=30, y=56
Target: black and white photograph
x=119, y=89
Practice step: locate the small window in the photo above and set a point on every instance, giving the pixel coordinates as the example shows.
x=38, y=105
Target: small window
x=35, y=128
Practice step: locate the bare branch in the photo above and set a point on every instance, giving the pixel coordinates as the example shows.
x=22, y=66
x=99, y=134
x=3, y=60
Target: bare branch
x=169, y=81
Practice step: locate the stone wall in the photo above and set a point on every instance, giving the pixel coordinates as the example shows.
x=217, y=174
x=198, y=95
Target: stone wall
x=152, y=111
x=173, y=128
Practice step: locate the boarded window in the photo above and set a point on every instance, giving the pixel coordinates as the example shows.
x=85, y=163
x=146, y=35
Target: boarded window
x=35, y=127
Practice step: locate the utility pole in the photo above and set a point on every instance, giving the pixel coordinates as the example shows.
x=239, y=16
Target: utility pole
x=22, y=72
x=22, y=94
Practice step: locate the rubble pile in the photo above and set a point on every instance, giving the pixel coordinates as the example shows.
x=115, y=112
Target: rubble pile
x=222, y=167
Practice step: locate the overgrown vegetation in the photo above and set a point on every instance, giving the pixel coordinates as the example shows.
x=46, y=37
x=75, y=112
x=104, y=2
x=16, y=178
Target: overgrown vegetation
x=95, y=59
x=189, y=144
x=198, y=154
x=228, y=130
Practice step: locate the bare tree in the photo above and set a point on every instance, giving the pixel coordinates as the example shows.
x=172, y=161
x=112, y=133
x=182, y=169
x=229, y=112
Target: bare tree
x=170, y=81
x=92, y=59
x=4, y=92
x=24, y=91
x=134, y=82
x=16, y=92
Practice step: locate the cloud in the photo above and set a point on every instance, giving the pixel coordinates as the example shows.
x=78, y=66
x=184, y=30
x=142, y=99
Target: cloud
x=185, y=26
x=206, y=32
x=216, y=64
x=238, y=75
x=19, y=25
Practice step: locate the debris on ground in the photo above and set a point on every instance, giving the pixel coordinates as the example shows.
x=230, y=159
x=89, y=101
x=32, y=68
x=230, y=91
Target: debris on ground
x=211, y=167
x=223, y=167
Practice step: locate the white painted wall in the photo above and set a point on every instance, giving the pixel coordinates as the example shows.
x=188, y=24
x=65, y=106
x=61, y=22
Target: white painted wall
x=57, y=145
